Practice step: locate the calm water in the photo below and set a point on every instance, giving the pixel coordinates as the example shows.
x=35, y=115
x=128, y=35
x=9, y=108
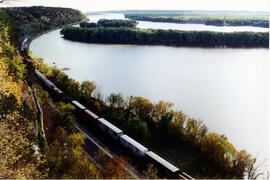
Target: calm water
x=184, y=27
x=225, y=88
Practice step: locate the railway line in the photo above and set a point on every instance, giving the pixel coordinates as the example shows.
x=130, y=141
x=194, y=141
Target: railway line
x=141, y=153
x=92, y=146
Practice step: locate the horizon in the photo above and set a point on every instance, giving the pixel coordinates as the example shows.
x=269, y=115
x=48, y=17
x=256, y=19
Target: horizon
x=173, y=5
x=119, y=10
x=178, y=10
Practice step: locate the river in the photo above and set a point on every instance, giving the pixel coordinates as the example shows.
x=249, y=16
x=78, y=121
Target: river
x=183, y=27
x=226, y=88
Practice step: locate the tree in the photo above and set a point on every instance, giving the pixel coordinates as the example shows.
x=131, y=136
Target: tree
x=7, y=104
x=117, y=23
x=151, y=172
x=243, y=163
x=221, y=153
x=73, y=87
x=252, y=169
x=140, y=107
x=116, y=100
x=61, y=106
x=68, y=160
x=87, y=88
x=114, y=168
x=16, y=160
x=179, y=120
x=161, y=109
x=64, y=116
x=54, y=160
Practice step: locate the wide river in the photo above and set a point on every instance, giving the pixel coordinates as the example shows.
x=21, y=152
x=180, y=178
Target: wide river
x=227, y=88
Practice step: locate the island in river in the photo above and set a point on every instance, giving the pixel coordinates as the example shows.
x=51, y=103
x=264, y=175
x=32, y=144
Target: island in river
x=110, y=33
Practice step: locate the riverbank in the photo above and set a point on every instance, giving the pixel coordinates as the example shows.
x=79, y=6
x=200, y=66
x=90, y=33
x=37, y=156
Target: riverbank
x=123, y=35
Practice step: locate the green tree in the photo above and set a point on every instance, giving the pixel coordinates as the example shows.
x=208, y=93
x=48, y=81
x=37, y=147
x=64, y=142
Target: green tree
x=160, y=110
x=64, y=116
x=116, y=100
x=87, y=88
x=140, y=107
x=67, y=159
x=241, y=162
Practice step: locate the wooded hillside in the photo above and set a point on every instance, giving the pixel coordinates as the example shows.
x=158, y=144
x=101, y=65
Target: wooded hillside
x=27, y=21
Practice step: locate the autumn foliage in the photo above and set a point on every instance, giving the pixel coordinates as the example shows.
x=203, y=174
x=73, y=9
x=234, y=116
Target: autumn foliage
x=115, y=168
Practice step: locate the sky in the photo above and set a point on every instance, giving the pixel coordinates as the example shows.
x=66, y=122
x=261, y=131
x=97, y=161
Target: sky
x=102, y=5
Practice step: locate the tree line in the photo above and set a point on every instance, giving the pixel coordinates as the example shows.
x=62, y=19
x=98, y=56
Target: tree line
x=207, y=20
x=110, y=23
x=123, y=35
x=194, y=149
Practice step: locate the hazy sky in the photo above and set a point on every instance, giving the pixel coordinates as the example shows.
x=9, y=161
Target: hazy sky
x=98, y=5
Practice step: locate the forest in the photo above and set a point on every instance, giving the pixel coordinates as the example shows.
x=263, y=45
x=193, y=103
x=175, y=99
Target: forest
x=27, y=151
x=123, y=35
x=29, y=21
x=208, y=20
x=110, y=23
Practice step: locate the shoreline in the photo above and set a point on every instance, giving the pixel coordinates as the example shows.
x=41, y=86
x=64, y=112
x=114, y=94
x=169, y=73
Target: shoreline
x=26, y=41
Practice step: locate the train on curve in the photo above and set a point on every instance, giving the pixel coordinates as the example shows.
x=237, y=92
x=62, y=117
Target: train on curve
x=115, y=133
x=170, y=171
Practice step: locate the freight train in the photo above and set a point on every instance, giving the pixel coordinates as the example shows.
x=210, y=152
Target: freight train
x=115, y=133
x=137, y=149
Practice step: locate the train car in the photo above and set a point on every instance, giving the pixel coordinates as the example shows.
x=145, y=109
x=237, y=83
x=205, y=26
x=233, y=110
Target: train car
x=167, y=169
x=133, y=145
x=47, y=82
x=78, y=106
x=42, y=78
x=23, y=44
x=90, y=115
x=66, y=99
x=109, y=128
x=80, y=113
x=52, y=88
